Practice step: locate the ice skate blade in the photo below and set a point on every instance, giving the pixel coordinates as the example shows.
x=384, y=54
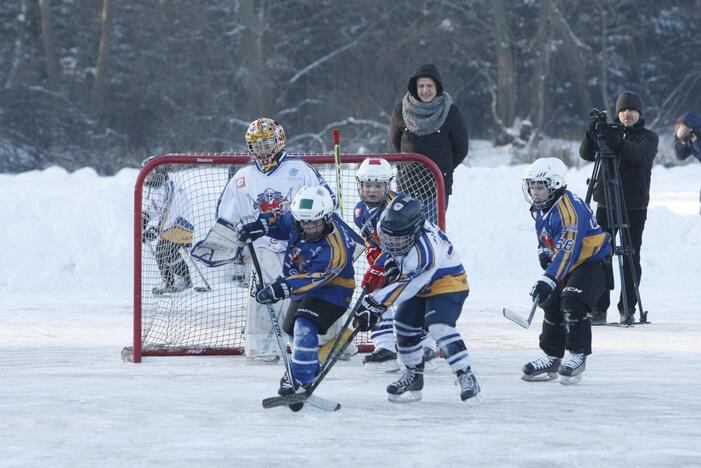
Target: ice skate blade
x=545, y=377
x=570, y=380
x=474, y=401
x=382, y=367
x=406, y=397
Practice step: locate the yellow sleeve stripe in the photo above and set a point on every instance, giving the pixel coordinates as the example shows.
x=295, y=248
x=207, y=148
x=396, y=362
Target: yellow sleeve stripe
x=395, y=294
x=568, y=217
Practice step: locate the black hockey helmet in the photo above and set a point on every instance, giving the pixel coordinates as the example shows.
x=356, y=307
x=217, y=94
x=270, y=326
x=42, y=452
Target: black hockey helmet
x=157, y=176
x=401, y=224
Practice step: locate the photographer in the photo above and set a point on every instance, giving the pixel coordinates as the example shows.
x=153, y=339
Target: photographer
x=634, y=148
x=687, y=137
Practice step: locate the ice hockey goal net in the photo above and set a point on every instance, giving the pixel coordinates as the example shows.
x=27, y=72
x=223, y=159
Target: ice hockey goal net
x=209, y=318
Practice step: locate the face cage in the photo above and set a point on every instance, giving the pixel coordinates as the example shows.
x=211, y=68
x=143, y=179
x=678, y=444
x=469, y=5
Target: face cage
x=397, y=246
x=367, y=201
x=264, y=151
x=312, y=231
x=529, y=198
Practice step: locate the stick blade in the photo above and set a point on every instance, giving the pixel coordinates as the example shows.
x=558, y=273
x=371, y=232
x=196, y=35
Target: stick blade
x=516, y=318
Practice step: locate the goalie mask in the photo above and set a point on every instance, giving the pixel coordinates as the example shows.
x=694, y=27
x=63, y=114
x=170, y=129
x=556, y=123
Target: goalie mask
x=401, y=224
x=311, y=209
x=265, y=139
x=373, y=179
x=544, y=182
x=157, y=176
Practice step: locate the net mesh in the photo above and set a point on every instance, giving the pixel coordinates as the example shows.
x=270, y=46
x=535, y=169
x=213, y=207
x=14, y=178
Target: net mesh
x=206, y=314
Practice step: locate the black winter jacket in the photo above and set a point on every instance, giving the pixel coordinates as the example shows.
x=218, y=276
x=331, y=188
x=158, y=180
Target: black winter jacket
x=447, y=147
x=635, y=157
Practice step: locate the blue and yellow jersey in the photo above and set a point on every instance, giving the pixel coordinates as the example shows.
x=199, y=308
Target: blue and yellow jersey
x=367, y=220
x=568, y=230
x=430, y=268
x=323, y=269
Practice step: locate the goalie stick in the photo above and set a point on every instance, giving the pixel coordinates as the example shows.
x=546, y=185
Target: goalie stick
x=519, y=320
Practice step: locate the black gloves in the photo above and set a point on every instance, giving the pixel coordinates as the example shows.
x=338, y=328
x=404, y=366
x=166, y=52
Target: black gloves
x=273, y=292
x=251, y=231
x=368, y=314
x=614, y=138
x=391, y=271
x=544, y=258
x=591, y=131
x=543, y=289
x=149, y=235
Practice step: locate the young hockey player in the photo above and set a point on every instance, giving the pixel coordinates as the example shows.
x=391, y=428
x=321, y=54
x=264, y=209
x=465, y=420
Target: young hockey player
x=429, y=294
x=373, y=179
x=318, y=275
x=575, y=254
x=266, y=185
x=166, y=217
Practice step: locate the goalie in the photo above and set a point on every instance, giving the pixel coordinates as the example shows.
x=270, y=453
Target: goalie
x=267, y=185
x=165, y=218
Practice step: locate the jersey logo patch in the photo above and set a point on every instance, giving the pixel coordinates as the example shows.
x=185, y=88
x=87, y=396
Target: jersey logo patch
x=294, y=171
x=268, y=201
x=241, y=182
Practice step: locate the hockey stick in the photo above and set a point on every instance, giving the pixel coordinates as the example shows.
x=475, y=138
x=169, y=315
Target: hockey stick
x=341, y=334
x=337, y=159
x=287, y=400
x=207, y=287
x=517, y=319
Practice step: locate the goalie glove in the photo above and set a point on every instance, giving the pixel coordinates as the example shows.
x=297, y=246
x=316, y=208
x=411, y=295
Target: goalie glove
x=273, y=292
x=368, y=314
x=220, y=245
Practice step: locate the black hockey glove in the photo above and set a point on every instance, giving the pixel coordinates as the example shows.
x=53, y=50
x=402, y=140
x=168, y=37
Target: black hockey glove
x=544, y=258
x=368, y=314
x=273, y=292
x=251, y=231
x=149, y=235
x=543, y=289
x=614, y=138
x=391, y=271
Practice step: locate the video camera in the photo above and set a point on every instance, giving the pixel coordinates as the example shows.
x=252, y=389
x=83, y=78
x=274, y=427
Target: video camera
x=601, y=118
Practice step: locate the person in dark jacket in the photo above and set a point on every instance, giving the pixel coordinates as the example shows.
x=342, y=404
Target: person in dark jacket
x=428, y=123
x=687, y=138
x=635, y=148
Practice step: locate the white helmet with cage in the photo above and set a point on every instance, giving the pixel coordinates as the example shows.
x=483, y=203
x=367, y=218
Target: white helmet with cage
x=311, y=209
x=373, y=178
x=544, y=181
x=265, y=139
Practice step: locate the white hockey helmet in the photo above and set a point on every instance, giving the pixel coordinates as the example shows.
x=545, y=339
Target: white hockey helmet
x=312, y=208
x=157, y=176
x=265, y=139
x=376, y=171
x=544, y=181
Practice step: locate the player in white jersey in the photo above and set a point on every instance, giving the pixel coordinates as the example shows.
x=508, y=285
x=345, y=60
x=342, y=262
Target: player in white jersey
x=166, y=217
x=429, y=294
x=266, y=185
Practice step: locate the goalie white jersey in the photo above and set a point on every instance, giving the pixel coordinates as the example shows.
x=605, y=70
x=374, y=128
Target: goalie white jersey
x=251, y=192
x=170, y=212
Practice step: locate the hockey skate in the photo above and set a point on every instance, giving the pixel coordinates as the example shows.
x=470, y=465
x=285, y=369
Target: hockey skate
x=469, y=388
x=408, y=388
x=571, y=370
x=542, y=369
x=430, y=359
x=598, y=318
x=381, y=360
x=175, y=287
x=287, y=388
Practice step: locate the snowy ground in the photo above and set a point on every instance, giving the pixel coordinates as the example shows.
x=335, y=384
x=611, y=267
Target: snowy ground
x=66, y=399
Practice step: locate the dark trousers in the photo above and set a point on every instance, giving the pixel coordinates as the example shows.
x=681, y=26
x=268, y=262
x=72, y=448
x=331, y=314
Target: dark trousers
x=170, y=261
x=566, y=321
x=636, y=222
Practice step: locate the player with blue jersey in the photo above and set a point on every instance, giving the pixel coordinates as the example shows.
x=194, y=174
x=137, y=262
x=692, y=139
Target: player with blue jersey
x=373, y=178
x=318, y=275
x=429, y=294
x=575, y=253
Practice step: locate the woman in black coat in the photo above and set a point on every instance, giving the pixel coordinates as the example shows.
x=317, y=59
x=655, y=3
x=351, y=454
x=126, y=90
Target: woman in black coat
x=427, y=122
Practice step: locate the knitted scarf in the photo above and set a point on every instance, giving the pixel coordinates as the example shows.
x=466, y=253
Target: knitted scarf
x=423, y=118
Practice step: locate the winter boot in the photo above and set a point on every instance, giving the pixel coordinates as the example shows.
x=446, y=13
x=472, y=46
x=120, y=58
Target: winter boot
x=542, y=369
x=571, y=370
x=408, y=388
x=469, y=388
x=381, y=360
x=598, y=318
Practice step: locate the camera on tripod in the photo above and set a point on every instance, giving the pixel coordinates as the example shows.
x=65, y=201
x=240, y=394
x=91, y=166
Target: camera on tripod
x=602, y=122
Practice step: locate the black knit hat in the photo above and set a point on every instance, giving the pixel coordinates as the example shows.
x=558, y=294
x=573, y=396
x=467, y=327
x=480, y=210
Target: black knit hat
x=428, y=70
x=629, y=100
